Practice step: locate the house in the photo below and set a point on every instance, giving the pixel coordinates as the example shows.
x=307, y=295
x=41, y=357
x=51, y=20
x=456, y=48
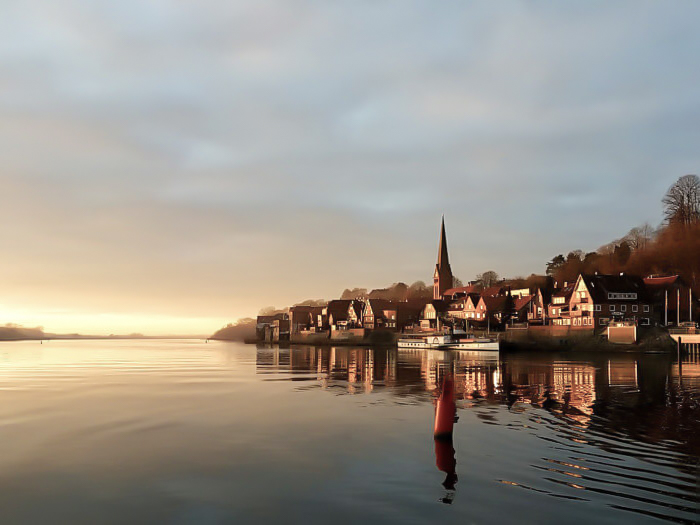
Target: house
x=499, y=308
x=272, y=328
x=344, y=314
x=380, y=313
x=673, y=299
x=599, y=299
x=523, y=306
x=433, y=314
x=307, y=318
x=476, y=311
x=540, y=300
x=465, y=307
x=408, y=314
x=558, y=309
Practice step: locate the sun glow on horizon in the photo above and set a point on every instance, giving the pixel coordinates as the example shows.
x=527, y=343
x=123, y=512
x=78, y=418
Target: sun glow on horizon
x=106, y=323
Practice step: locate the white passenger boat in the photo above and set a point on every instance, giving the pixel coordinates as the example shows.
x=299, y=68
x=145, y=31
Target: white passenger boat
x=454, y=341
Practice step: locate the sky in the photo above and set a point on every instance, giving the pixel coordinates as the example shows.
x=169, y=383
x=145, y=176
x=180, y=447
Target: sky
x=169, y=167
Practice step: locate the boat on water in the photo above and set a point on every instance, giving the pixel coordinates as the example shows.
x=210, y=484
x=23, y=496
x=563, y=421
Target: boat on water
x=450, y=341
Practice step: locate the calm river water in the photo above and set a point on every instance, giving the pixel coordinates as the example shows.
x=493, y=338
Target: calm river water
x=168, y=431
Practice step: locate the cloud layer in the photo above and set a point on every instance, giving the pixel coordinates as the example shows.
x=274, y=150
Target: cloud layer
x=201, y=160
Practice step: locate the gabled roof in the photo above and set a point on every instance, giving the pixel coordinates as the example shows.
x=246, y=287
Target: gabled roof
x=379, y=306
x=565, y=292
x=460, y=290
x=599, y=285
x=439, y=305
x=338, y=308
x=493, y=291
x=410, y=310
x=523, y=302
x=495, y=303
x=546, y=295
x=359, y=307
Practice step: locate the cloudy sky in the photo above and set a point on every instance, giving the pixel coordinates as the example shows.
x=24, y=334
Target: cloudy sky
x=168, y=167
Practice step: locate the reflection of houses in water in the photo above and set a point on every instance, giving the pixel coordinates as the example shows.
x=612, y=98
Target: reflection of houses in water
x=360, y=368
x=577, y=389
x=686, y=374
x=574, y=384
x=476, y=374
x=640, y=395
x=568, y=386
x=622, y=373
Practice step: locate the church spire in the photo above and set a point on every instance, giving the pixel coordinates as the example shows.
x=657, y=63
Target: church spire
x=443, y=258
x=442, y=278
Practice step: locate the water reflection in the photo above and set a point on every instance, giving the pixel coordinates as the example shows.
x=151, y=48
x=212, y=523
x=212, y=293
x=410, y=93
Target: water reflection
x=614, y=386
x=445, y=418
x=624, y=427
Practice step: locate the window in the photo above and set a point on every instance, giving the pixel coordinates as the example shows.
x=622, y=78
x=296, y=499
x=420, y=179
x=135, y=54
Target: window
x=603, y=321
x=644, y=321
x=646, y=309
x=634, y=307
x=622, y=295
x=597, y=308
x=612, y=307
x=623, y=308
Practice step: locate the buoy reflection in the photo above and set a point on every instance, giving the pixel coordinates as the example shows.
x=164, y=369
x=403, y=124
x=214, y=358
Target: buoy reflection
x=445, y=417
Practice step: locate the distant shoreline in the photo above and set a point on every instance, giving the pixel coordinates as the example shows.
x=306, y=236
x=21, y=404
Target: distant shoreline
x=98, y=338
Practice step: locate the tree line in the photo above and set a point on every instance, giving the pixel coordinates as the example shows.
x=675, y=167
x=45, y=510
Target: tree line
x=672, y=248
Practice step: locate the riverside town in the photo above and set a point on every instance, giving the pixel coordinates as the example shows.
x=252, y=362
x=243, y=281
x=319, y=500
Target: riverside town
x=572, y=305
x=565, y=307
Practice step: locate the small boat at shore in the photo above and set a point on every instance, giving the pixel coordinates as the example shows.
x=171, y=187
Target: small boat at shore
x=452, y=341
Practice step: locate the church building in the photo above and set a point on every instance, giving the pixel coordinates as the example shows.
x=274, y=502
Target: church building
x=442, y=278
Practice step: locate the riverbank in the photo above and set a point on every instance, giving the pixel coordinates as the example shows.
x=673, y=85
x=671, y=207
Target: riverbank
x=651, y=340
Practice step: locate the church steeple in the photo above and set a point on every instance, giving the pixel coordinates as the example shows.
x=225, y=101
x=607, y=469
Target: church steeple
x=443, y=258
x=442, y=278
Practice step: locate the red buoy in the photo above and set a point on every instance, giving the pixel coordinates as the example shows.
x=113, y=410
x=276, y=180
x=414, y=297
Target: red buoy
x=445, y=410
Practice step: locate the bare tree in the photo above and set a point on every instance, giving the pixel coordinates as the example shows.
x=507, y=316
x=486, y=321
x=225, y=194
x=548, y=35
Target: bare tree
x=638, y=237
x=682, y=201
x=487, y=279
